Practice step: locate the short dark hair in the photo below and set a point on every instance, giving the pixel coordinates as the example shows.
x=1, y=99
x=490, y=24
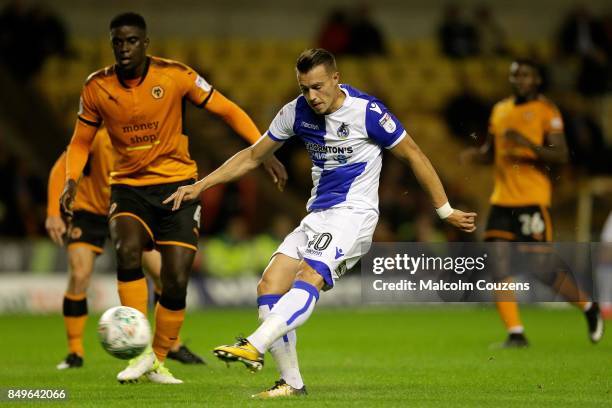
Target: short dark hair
x=128, y=19
x=312, y=57
x=530, y=63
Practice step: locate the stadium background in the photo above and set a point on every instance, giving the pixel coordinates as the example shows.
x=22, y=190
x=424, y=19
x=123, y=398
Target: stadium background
x=427, y=355
x=247, y=50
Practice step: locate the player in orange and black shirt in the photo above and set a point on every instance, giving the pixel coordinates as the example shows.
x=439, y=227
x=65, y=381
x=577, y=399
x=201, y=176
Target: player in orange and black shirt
x=525, y=139
x=85, y=238
x=140, y=100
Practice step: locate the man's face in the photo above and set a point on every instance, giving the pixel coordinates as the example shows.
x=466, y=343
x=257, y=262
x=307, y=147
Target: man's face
x=129, y=46
x=320, y=88
x=524, y=79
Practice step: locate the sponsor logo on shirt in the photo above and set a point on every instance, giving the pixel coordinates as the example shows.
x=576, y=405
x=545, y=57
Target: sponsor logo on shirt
x=320, y=152
x=140, y=126
x=342, y=159
x=309, y=125
x=319, y=148
x=149, y=139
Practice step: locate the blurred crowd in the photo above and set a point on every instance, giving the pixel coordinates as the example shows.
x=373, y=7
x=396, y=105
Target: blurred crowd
x=29, y=35
x=232, y=215
x=583, y=41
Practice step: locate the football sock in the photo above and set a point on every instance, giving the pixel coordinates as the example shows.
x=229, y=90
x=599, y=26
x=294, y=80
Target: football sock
x=156, y=297
x=508, y=310
x=132, y=287
x=169, y=317
x=509, y=313
x=283, y=350
x=291, y=311
x=75, y=317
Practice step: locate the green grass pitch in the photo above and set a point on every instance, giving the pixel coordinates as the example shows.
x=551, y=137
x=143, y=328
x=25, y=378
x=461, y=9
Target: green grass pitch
x=426, y=356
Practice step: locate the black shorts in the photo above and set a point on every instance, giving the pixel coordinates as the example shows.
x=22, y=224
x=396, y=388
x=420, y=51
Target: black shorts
x=164, y=226
x=521, y=224
x=88, y=229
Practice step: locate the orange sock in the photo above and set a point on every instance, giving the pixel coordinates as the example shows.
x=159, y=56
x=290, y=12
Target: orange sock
x=508, y=310
x=177, y=343
x=167, y=327
x=74, y=331
x=134, y=294
x=75, y=317
x=509, y=314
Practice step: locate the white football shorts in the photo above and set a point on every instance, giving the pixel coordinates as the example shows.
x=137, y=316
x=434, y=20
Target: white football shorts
x=331, y=241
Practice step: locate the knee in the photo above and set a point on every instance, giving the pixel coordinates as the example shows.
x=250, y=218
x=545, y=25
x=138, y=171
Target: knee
x=80, y=273
x=129, y=254
x=176, y=288
x=79, y=278
x=78, y=283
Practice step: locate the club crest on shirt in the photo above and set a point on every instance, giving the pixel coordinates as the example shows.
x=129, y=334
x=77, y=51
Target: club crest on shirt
x=343, y=131
x=387, y=123
x=157, y=92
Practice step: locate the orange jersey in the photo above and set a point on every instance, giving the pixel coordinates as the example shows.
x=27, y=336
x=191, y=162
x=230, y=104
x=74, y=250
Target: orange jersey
x=93, y=194
x=145, y=120
x=519, y=179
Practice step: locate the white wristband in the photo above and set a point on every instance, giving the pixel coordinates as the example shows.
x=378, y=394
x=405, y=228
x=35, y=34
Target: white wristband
x=445, y=211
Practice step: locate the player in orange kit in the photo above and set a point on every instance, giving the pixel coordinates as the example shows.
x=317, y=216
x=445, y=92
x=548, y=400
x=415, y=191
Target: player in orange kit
x=526, y=138
x=84, y=239
x=140, y=101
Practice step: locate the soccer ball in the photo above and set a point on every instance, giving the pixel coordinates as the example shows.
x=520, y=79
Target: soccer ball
x=124, y=332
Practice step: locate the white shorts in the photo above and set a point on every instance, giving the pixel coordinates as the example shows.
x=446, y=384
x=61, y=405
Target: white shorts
x=331, y=241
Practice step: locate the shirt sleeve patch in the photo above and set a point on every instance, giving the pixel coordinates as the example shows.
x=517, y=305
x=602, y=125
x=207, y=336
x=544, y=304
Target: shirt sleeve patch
x=202, y=84
x=556, y=124
x=387, y=123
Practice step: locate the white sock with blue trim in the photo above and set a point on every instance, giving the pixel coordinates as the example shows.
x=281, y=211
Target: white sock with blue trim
x=291, y=311
x=283, y=350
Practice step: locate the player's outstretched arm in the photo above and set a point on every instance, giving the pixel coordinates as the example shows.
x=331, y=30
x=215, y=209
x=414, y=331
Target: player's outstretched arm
x=76, y=157
x=242, y=124
x=408, y=151
x=55, y=225
x=554, y=150
x=479, y=155
x=234, y=168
